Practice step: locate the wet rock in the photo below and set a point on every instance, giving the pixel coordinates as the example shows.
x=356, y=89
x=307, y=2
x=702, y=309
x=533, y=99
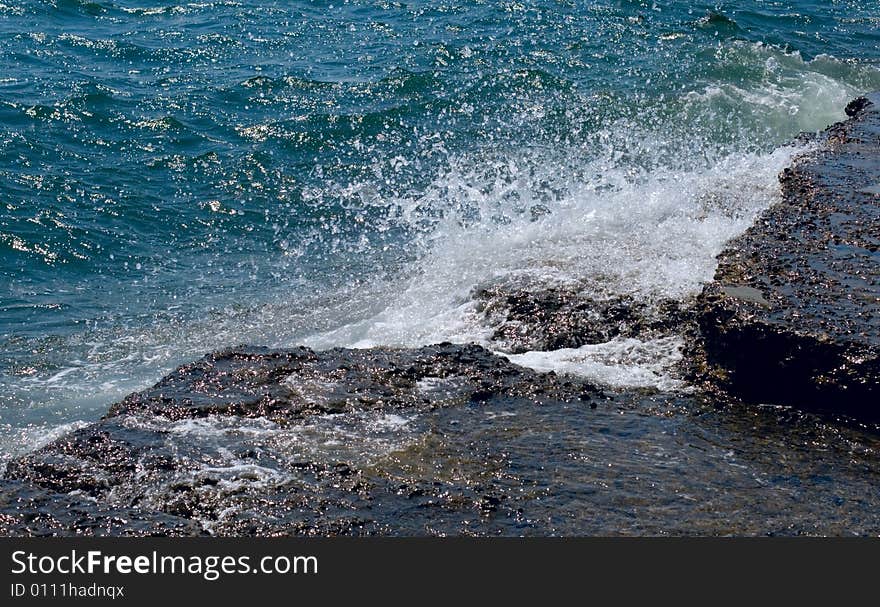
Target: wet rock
x=283, y=385
x=221, y=446
x=793, y=315
x=29, y=510
x=543, y=319
x=518, y=463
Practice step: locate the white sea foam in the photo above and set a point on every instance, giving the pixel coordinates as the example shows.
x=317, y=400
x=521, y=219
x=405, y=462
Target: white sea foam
x=221, y=426
x=628, y=363
x=359, y=436
x=434, y=385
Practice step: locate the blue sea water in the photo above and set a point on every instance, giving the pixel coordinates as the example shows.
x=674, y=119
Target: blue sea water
x=179, y=177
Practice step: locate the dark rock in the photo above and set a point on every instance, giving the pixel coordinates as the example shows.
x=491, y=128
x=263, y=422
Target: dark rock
x=793, y=316
x=857, y=106
x=30, y=510
x=283, y=385
x=165, y=456
x=526, y=318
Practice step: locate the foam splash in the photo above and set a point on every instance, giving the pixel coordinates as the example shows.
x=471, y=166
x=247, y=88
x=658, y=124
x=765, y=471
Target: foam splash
x=633, y=210
x=655, y=236
x=625, y=363
x=233, y=461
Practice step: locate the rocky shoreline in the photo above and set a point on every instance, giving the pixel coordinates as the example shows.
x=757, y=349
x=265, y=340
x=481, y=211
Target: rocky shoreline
x=793, y=315
x=456, y=439
x=139, y=456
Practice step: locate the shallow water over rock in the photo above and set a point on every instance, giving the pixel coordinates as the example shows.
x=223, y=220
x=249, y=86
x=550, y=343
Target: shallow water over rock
x=442, y=440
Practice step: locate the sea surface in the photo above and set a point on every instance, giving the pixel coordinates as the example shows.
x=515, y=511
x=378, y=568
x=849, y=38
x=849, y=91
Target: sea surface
x=181, y=177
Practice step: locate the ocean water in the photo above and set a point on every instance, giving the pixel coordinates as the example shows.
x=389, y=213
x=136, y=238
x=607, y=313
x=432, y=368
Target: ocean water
x=179, y=177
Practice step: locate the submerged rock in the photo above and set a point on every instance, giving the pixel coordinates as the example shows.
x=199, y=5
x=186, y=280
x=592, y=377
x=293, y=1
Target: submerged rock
x=793, y=316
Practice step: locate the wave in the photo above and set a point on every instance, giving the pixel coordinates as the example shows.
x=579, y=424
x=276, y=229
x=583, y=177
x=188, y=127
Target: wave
x=652, y=236
x=631, y=195
x=639, y=208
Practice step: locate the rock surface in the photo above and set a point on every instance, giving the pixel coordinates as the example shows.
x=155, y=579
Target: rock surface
x=551, y=318
x=793, y=316
x=441, y=440
x=28, y=509
x=227, y=445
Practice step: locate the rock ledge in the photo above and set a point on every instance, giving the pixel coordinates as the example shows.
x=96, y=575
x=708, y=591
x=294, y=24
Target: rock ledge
x=793, y=316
